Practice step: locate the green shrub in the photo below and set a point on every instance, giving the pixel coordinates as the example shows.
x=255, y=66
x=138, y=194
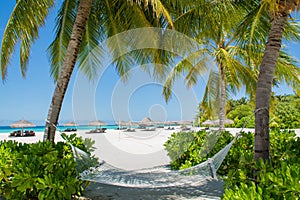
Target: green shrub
x=38, y=171
x=278, y=179
x=187, y=149
x=287, y=115
x=282, y=182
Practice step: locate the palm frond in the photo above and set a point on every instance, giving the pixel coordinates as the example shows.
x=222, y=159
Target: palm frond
x=292, y=31
x=64, y=24
x=198, y=65
x=172, y=75
x=253, y=30
x=23, y=25
x=210, y=101
x=91, y=55
x=242, y=63
x=287, y=70
x=157, y=6
x=118, y=46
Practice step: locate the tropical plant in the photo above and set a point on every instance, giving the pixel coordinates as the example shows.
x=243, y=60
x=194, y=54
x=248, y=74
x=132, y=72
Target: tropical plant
x=211, y=27
x=268, y=18
x=78, y=32
x=242, y=116
x=237, y=66
x=287, y=113
x=109, y=12
x=215, y=33
x=278, y=179
x=187, y=149
x=22, y=27
x=232, y=104
x=39, y=170
x=82, y=15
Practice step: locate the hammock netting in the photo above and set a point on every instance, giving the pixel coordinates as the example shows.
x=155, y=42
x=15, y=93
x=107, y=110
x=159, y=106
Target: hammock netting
x=161, y=176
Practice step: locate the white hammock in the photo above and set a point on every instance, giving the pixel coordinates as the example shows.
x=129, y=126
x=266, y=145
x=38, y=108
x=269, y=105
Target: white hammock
x=161, y=176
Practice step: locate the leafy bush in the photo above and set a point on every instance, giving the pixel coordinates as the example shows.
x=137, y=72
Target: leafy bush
x=187, y=149
x=287, y=115
x=38, y=171
x=272, y=183
x=284, y=112
x=279, y=179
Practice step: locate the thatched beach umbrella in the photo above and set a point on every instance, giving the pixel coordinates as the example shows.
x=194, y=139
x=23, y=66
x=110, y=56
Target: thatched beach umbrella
x=97, y=123
x=170, y=123
x=122, y=123
x=146, y=122
x=226, y=121
x=21, y=124
x=70, y=124
x=131, y=123
x=185, y=122
x=208, y=122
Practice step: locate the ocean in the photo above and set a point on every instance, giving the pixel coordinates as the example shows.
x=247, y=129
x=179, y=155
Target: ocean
x=8, y=129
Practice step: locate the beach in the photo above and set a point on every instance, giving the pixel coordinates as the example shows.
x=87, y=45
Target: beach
x=126, y=150
x=136, y=150
x=129, y=151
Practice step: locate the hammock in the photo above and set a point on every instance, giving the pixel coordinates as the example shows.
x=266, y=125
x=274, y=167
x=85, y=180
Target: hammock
x=157, y=177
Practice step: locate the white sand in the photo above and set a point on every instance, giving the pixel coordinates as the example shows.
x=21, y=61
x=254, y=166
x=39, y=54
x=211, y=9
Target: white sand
x=127, y=150
x=135, y=150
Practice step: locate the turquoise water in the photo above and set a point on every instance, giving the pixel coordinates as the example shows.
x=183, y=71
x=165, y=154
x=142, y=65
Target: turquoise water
x=7, y=129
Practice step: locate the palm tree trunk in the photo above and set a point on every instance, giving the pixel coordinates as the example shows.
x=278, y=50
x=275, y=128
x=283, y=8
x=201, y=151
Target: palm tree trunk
x=222, y=99
x=264, y=86
x=82, y=15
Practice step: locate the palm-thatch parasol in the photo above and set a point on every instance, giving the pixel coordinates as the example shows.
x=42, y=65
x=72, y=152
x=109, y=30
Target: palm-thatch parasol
x=70, y=124
x=132, y=123
x=21, y=124
x=208, y=122
x=170, y=123
x=97, y=123
x=185, y=122
x=226, y=121
x=146, y=122
x=122, y=123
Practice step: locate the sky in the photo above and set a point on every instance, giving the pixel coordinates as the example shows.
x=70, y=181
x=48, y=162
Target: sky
x=106, y=97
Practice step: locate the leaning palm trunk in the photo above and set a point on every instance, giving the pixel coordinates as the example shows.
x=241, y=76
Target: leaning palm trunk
x=82, y=15
x=264, y=85
x=222, y=98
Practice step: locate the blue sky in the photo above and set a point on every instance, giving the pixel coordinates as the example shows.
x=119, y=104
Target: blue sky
x=107, y=98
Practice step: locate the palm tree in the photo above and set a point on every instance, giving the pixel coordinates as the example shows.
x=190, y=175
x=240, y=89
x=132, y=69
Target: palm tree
x=82, y=14
x=33, y=14
x=70, y=36
x=266, y=75
x=212, y=29
x=109, y=12
x=237, y=63
x=268, y=18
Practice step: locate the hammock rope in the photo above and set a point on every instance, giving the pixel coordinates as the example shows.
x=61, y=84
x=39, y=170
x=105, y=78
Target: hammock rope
x=155, y=177
x=161, y=176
